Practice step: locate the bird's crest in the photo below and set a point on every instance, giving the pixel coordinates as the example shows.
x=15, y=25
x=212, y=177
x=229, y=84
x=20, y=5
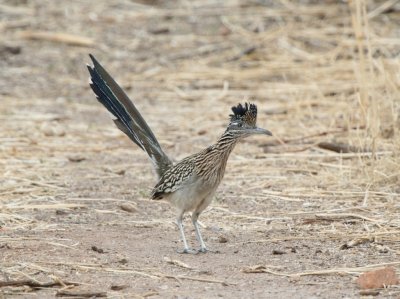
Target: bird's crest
x=247, y=114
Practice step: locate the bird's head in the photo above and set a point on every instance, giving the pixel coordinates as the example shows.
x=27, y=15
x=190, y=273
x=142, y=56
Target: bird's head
x=243, y=121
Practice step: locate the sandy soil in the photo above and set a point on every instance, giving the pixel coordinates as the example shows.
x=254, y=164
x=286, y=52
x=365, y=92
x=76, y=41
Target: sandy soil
x=290, y=219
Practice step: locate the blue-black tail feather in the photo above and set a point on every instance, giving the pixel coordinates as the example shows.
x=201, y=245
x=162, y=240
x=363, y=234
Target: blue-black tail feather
x=128, y=118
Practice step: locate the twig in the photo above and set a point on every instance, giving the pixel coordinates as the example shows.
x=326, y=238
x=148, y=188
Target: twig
x=47, y=207
x=351, y=271
x=341, y=147
x=259, y=218
x=244, y=52
x=198, y=279
x=58, y=38
x=86, y=294
x=141, y=273
x=346, y=215
x=149, y=294
x=128, y=271
x=177, y=263
x=35, y=284
x=320, y=237
x=40, y=184
x=382, y=8
x=302, y=138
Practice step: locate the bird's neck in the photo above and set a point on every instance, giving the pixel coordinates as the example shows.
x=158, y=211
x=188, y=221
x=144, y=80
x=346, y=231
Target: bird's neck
x=225, y=144
x=217, y=155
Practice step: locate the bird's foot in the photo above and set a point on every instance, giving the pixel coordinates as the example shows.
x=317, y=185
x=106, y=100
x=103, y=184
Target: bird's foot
x=187, y=250
x=205, y=249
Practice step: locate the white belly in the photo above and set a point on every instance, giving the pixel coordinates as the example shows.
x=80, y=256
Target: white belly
x=193, y=195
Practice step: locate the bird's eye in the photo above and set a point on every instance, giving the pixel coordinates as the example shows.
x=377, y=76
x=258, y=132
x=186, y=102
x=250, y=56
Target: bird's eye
x=239, y=125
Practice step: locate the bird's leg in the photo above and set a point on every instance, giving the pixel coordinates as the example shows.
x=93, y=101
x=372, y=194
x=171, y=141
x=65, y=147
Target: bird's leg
x=185, y=245
x=203, y=247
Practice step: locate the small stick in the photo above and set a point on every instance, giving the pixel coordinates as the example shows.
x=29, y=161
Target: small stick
x=346, y=215
x=351, y=271
x=58, y=38
x=341, y=147
x=320, y=237
x=40, y=184
x=302, y=138
x=177, y=263
x=87, y=294
x=382, y=8
x=198, y=279
x=149, y=294
x=34, y=284
x=244, y=52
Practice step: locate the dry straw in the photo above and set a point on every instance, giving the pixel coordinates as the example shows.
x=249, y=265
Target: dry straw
x=325, y=78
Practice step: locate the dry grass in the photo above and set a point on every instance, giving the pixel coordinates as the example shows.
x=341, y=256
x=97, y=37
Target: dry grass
x=318, y=72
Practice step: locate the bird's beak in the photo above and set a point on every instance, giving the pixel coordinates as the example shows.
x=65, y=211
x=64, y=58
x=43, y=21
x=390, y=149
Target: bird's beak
x=262, y=131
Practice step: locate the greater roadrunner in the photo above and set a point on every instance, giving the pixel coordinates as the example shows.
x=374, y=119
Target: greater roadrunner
x=190, y=184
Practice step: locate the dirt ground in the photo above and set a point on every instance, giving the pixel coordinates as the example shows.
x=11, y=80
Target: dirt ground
x=301, y=214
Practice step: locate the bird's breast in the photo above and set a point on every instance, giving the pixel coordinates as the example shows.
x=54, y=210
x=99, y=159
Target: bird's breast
x=191, y=194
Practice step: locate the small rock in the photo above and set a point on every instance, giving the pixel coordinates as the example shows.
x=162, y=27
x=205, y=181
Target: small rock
x=310, y=205
x=6, y=246
x=99, y=250
x=123, y=261
x=161, y=30
x=76, y=158
x=10, y=49
x=369, y=293
x=356, y=242
x=223, y=30
x=128, y=207
x=378, y=278
x=61, y=212
x=120, y=172
x=205, y=272
x=117, y=287
x=278, y=252
x=52, y=129
x=295, y=278
x=222, y=239
x=387, y=132
x=382, y=248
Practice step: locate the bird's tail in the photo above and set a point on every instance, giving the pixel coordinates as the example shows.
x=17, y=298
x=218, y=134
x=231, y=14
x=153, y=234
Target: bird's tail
x=128, y=118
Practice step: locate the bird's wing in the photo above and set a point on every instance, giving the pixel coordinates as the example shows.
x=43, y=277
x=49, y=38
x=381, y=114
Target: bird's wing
x=174, y=178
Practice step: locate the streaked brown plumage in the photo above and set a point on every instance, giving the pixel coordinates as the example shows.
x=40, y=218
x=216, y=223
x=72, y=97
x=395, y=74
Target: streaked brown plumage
x=190, y=184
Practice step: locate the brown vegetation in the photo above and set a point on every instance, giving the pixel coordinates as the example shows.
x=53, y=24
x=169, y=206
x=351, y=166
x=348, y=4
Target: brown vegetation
x=301, y=214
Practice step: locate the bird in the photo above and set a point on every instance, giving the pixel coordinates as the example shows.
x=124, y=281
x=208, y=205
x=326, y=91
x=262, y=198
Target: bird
x=190, y=184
